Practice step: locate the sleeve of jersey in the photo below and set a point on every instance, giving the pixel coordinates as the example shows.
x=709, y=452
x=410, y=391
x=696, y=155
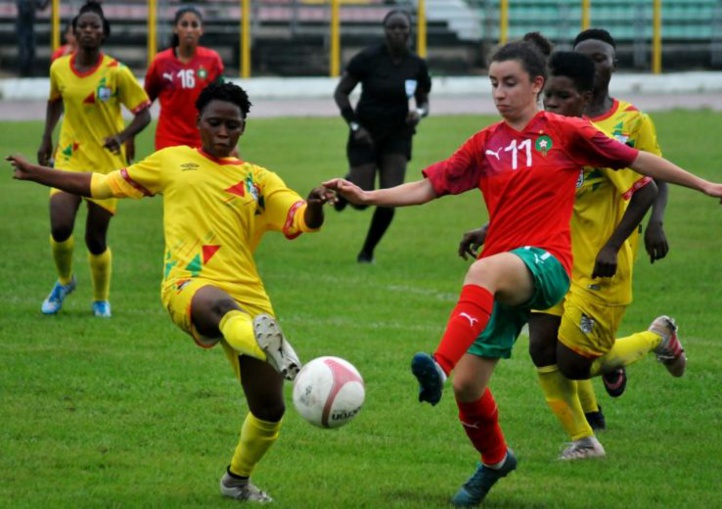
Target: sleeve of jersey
x=150, y=84
x=588, y=146
x=136, y=181
x=627, y=181
x=457, y=174
x=285, y=210
x=132, y=95
x=647, y=137
x=357, y=67
x=54, y=88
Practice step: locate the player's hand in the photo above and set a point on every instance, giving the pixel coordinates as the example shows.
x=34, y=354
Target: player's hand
x=348, y=190
x=321, y=195
x=363, y=136
x=471, y=241
x=413, y=118
x=23, y=168
x=606, y=263
x=45, y=151
x=655, y=241
x=113, y=143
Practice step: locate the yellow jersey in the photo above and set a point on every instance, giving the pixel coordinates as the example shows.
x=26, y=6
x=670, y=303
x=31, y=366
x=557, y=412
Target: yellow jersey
x=215, y=212
x=92, y=104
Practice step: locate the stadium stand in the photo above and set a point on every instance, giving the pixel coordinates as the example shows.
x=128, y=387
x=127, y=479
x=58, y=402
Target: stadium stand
x=291, y=37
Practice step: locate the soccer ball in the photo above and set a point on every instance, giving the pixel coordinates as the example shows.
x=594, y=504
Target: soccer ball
x=328, y=392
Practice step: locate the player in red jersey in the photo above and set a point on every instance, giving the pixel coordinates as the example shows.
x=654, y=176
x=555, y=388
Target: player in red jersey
x=176, y=77
x=527, y=168
x=70, y=46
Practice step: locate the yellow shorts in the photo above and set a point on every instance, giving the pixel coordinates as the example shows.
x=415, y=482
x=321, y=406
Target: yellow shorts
x=177, y=297
x=110, y=204
x=589, y=328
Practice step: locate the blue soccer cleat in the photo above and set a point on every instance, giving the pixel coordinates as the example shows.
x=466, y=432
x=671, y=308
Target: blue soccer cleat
x=430, y=376
x=474, y=490
x=101, y=308
x=54, y=301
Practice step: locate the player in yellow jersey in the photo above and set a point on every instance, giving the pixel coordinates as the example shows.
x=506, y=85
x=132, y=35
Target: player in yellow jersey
x=216, y=209
x=608, y=208
x=90, y=87
x=633, y=127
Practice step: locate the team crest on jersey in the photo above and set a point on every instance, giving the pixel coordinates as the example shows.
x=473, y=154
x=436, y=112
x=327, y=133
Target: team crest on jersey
x=104, y=93
x=543, y=144
x=202, y=73
x=586, y=324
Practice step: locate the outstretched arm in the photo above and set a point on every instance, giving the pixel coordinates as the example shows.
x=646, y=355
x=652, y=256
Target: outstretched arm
x=68, y=181
x=662, y=169
x=410, y=193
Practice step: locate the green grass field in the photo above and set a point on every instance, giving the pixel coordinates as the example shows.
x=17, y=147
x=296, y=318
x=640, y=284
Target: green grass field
x=129, y=413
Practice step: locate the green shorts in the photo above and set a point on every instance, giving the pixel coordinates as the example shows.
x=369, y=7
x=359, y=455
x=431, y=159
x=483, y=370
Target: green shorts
x=551, y=283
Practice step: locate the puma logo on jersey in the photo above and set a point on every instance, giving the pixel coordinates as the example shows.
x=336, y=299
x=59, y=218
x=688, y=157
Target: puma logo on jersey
x=471, y=319
x=168, y=76
x=492, y=153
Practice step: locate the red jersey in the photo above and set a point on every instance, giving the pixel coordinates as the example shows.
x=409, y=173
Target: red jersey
x=528, y=178
x=177, y=86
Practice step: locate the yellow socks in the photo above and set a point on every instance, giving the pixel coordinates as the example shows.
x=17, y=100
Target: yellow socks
x=63, y=257
x=237, y=329
x=100, y=269
x=626, y=351
x=561, y=396
x=587, y=397
x=257, y=437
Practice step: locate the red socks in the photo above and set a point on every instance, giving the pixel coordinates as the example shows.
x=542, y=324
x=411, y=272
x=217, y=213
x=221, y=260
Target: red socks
x=480, y=420
x=467, y=320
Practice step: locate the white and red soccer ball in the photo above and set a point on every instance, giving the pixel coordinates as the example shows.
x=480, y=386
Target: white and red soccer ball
x=328, y=392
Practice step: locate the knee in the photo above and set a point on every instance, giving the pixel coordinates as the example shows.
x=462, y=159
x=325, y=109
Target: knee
x=61, y=232
x=541, y=354
x=222, y=306
x=270, y=412
x=465, y=389
x=573, y=371
x=96, y=243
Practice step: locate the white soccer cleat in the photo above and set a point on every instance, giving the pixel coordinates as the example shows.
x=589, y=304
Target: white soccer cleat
x=670, y=351
x=242, y=490
x=278, y=350
x=582, y=449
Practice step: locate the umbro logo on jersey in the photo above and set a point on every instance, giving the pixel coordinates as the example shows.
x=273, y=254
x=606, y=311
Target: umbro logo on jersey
x=189, y=166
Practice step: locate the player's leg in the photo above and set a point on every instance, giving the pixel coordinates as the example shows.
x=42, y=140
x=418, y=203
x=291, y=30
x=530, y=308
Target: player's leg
x=362, y=169
x=525, y=277
x=478, y=412
x=100, y=257
x=263, y=388
x=63, y=209
x=214, y=313
x=392, y=170
x=560, y=392
x=590, y=406
x=660, y=338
